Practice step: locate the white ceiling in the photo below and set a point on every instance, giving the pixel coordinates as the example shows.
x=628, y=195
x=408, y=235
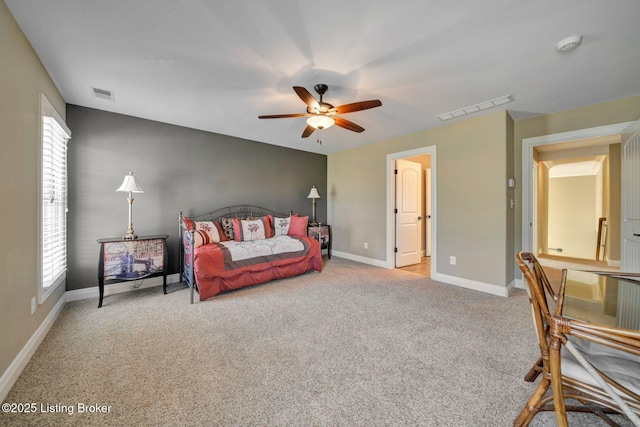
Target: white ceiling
x=571, y=169
x=217, y=65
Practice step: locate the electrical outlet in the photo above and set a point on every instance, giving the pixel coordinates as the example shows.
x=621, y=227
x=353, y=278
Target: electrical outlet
x=33, y=305
x=452, y=260
x=366, y=245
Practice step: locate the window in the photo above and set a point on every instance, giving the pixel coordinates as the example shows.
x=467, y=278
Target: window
x=53, y=201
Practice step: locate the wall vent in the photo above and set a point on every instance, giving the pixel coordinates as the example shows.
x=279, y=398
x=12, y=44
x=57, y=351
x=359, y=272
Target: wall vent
x=475, y=108
x=102, y=93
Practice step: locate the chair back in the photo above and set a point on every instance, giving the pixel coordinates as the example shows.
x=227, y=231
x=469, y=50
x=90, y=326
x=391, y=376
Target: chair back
x=541, y=294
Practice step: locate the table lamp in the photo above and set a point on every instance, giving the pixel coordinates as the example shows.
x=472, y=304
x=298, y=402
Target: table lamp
x=313, y=195
x=131, y=186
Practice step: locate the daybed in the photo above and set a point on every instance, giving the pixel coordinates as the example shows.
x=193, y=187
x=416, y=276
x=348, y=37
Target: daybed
x=239, y=246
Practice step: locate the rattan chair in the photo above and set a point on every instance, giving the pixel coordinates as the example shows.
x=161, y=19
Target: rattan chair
x=541, y=323
x=541, y=295
x=597, y=366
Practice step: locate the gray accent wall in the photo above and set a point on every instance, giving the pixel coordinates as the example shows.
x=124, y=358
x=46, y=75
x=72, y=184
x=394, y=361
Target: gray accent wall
x=180, y=169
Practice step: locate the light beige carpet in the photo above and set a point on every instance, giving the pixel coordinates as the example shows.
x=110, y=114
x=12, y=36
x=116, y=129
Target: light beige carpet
x=354, y=345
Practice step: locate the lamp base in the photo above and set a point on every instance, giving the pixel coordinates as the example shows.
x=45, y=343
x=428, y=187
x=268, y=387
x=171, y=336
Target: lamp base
x=131, y=235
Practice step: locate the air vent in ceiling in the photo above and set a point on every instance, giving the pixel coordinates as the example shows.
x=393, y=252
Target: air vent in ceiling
x=474, y=108
x=102, y=93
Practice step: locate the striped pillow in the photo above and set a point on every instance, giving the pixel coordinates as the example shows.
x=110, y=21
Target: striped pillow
x=207, y=232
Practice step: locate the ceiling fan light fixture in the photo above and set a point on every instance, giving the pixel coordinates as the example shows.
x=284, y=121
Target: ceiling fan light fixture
x=322, y=115
x=321, y=121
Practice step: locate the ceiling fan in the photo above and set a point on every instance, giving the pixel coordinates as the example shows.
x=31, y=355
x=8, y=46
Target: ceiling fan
x=322, y=115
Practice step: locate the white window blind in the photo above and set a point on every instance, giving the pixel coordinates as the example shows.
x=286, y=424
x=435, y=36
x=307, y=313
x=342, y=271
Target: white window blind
x=54, y=202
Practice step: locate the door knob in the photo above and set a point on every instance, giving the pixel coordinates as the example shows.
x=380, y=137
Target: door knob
x=419, y=218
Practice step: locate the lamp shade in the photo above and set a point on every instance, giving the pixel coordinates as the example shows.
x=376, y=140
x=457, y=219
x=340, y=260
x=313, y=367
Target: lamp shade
x=130, y=184
x=320, y=121
x=313, y=194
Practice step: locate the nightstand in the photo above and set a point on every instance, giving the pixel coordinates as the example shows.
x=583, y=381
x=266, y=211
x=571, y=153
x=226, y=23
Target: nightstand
x=125, y=260
x=322, y=233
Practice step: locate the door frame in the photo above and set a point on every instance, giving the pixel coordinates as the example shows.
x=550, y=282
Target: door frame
x=528, y=144
x=391, y=195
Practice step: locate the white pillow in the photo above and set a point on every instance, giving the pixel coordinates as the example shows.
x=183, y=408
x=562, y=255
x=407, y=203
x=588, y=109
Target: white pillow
x=281, y=226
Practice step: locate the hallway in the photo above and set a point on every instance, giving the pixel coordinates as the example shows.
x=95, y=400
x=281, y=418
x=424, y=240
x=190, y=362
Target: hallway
x=423, y=268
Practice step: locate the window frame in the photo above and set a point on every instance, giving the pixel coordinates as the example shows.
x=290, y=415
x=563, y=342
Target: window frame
x=48, y=111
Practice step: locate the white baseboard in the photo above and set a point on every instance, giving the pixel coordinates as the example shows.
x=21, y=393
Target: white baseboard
x=503, y=291
x=519, y=284
x=116, y=288
x=10, y=376
x=358, y=258
x=488, y=288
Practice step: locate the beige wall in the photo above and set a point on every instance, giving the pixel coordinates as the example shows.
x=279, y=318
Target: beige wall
x=22, y=78
x=471, y=195
x=475, y=157
x=573, y=219
x=510, y=203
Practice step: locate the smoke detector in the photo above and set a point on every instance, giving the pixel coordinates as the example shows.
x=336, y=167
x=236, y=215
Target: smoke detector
x=570, y=43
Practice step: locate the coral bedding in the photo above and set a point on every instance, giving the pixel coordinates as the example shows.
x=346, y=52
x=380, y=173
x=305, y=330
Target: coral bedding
x=225, y=266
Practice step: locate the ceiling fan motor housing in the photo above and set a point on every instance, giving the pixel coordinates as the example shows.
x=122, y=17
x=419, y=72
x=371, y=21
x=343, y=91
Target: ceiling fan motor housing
x=321, y=88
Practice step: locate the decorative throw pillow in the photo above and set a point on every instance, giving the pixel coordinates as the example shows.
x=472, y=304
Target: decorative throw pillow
x=227, y=228
x=206, y=232
x=188, y=223
x=298, y=226
x=281, y=226
x=246, y=230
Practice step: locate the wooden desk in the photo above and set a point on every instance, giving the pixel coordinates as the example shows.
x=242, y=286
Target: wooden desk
x=602, y=299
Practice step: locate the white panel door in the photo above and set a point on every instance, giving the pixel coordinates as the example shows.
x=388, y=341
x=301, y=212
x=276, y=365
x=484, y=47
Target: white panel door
x=631, y=199
x=408, y=217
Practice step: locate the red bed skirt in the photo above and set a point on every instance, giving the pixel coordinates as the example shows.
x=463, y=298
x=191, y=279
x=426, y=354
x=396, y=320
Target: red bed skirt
x=213, y=279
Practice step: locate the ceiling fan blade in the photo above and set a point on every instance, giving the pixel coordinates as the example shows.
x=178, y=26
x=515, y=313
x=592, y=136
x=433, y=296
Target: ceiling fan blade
x=283, y=116
x=358, y=106
x=306, y=97
x=347, y=124
x=308, y=131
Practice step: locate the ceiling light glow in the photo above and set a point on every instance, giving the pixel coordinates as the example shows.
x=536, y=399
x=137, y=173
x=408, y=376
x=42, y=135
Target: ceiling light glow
x=320, y=121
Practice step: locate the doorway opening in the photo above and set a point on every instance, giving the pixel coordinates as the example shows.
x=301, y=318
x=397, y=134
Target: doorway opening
x=418, y=232
x=545, y=230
